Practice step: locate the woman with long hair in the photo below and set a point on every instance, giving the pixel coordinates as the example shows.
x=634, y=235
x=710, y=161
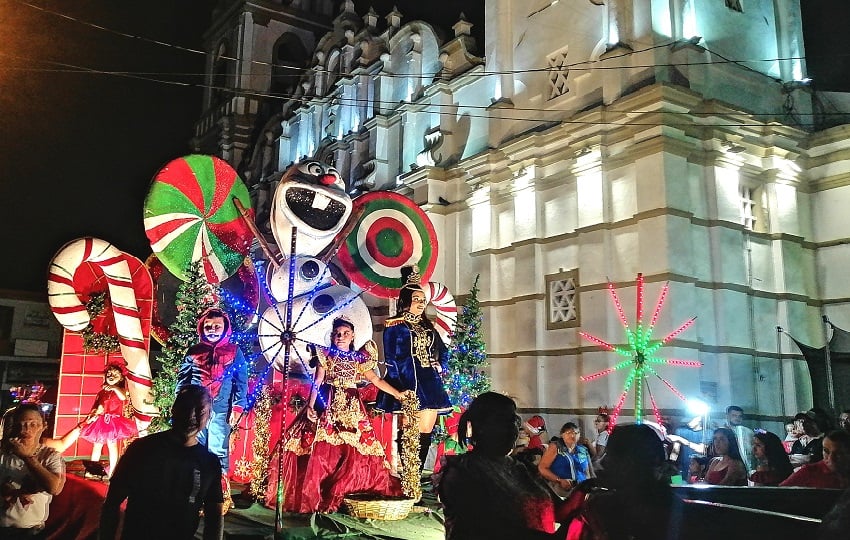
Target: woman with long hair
x=487, y=494
x=415, y=358
x=773, y=463
x=726, y=467
x=634, y=499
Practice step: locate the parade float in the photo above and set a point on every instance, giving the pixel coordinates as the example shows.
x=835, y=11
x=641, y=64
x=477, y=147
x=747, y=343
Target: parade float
x=331, y=257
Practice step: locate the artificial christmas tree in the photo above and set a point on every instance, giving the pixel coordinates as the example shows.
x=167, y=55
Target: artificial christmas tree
x=194, y=296
x=466, y=377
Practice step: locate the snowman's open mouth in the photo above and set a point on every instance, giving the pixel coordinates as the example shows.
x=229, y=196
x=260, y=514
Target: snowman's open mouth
x=314, y=208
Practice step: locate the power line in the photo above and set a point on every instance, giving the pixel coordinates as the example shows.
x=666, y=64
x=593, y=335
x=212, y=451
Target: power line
x=577, y=66
x=455, y=109
x=542, y=113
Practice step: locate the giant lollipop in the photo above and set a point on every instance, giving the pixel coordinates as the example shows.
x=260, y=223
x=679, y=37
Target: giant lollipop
x=190, y=216
x=392, y=232
x=72, y=272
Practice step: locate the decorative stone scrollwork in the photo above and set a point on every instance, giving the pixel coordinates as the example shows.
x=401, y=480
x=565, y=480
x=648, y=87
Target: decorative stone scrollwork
x=364, y=176
x=431, y=154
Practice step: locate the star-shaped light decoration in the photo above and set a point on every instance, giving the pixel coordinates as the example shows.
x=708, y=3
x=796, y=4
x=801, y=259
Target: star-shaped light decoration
x=640, y=354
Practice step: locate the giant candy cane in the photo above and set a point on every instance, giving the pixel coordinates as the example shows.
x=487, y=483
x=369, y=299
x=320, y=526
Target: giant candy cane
x=441, y=299
x=72, y=314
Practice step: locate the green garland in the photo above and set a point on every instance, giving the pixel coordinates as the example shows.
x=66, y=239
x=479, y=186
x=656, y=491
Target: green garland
x=98, y=342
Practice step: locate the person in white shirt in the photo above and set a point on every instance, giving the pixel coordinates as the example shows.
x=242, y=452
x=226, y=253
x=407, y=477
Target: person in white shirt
x=734, y=421
x=31, y=474
x=597, y=446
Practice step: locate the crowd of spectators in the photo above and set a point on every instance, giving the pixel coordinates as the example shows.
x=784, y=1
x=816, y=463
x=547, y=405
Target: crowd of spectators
x=814, y=454
x=566, y=487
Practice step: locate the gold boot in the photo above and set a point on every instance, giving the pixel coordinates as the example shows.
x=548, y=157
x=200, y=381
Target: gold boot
x=228, y=500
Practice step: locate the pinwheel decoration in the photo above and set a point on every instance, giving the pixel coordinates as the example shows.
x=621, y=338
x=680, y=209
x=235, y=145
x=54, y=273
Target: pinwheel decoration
x=640, y=354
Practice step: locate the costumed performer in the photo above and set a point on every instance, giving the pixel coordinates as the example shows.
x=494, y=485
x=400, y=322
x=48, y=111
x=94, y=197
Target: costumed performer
x=106, y=424
x=415, y=357
x=346, y=456
x=30, y=474
x=218, y=365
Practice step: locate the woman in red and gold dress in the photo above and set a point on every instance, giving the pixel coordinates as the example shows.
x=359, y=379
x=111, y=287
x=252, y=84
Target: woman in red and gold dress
x=346, y=457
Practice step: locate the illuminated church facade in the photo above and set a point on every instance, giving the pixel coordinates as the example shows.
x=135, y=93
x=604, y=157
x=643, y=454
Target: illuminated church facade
x=582, y=143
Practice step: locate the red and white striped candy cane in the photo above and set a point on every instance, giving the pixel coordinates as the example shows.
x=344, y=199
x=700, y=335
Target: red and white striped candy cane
x=438, y=295
x=72, y=314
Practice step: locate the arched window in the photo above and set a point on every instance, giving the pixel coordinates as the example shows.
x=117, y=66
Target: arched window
x=290, y=58
x=221, y=71
x=333, y=69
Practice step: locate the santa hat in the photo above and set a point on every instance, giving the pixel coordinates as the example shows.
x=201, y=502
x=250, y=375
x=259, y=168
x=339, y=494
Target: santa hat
x=535, y=424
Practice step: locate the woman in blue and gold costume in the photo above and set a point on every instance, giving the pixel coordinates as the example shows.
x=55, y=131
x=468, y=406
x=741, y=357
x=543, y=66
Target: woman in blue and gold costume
x=415, y=359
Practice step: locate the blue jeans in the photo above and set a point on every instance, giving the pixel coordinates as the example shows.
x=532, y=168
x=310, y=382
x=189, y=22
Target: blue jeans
x=216, y=437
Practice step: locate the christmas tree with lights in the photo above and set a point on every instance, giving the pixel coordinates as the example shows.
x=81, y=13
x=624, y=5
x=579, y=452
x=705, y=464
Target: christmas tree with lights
x=240, y=315
x=467, y=354
x=193, y=298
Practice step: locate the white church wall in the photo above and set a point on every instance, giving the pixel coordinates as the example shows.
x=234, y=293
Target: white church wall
x=613, y=200
x=524, y=372
x=733, y=319
x=677, y=183
x=742, y=378
x=746, y=34
x=624, y=201
x=763, y=268
x=798, y=263
x=681, y=255
x=601, y=391
x=591, y=197
x=832, y=265
x=593, y=256
x=764, y=323
x=558, y=209
x=525, y=214
x=694, y=254
x=832, y=220
x=623, y=258
x=787, y=216
x=470, y=125
x=503, y=275
x=652, y=181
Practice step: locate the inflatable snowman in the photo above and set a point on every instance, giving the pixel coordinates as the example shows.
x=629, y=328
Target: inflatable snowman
x=311, y=199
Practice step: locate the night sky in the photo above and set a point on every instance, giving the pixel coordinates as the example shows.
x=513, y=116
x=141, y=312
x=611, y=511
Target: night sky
x=80, y=148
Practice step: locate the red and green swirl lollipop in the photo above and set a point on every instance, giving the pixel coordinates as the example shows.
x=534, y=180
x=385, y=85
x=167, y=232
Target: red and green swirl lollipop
x=392, y=232
x=190, y=216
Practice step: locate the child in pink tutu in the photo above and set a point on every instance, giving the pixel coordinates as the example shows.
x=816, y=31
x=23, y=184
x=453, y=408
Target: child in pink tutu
x=106, y=422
